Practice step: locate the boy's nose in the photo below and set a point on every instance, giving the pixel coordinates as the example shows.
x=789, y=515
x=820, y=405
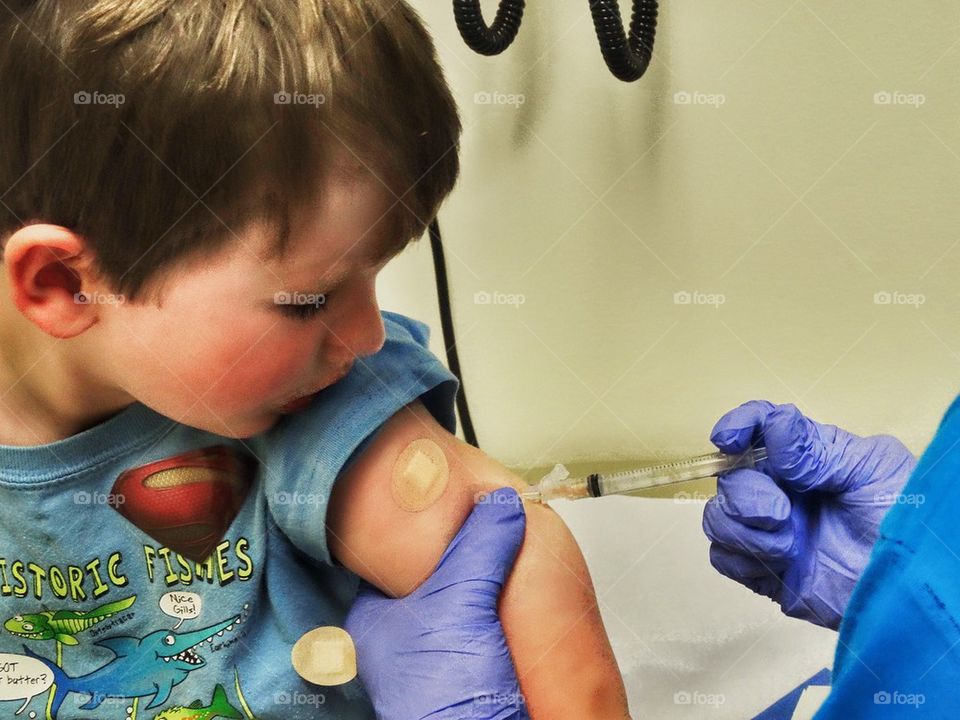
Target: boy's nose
x=365, y=336
x=373, y=337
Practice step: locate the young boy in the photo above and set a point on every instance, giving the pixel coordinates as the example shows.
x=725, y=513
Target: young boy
x=196, y=199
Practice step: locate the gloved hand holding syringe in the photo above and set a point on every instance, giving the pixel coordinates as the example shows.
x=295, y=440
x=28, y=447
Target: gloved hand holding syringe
x=558, y=484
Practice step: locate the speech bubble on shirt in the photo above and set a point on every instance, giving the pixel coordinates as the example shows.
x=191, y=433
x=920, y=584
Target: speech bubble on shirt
x=181, y=605
x=23, y=677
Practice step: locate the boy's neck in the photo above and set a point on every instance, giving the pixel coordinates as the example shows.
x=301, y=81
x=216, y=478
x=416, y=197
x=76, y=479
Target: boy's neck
x=47, y=392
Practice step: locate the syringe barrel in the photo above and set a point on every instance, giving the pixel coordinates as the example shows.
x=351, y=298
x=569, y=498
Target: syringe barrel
x=703, y=466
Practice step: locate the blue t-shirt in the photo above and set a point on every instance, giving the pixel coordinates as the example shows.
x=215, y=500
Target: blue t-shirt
x=152, y=570
x=898, y=653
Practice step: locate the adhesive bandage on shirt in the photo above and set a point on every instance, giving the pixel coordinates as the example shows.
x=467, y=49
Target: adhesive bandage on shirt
x=420, y=475
x=325, y=656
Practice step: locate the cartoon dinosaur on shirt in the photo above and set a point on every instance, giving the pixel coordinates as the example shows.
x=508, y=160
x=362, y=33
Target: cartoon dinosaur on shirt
x=219, y=707
x=143, y=667
x=63, y=624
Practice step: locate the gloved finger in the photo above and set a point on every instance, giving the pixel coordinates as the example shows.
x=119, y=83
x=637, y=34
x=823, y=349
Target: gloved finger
x=762, y=578
x=487, y=544
x=769, y=586
x=753, y=498
x=369, y=609
x=739, y=430
x=368, y=590
x=802, y=454
x=766, y=545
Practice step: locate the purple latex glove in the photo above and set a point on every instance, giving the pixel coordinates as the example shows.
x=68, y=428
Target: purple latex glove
x=799, y=529
x=440, y=652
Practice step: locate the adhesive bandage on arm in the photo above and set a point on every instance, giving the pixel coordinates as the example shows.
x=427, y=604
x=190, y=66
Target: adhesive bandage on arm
x=420, y=475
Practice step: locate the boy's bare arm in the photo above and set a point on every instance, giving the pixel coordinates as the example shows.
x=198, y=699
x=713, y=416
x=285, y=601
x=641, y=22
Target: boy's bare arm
x=548, y=608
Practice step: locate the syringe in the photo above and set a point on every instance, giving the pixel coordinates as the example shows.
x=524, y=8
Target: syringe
x=558, y=483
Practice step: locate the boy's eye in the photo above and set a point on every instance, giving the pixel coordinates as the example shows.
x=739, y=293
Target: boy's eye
x=304, y=312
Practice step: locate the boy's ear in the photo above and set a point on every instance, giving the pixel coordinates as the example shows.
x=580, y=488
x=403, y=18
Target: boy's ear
x=47, y=267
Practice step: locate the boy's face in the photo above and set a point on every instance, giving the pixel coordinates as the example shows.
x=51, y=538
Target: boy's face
x=222, y=354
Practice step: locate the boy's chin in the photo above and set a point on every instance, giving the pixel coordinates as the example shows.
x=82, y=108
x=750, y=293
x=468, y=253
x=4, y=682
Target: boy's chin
x=252, y=428
x=237, y=428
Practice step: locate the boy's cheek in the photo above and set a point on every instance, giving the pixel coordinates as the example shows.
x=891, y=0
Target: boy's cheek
x=199, y=391
x=200, y=349
x=230, y=375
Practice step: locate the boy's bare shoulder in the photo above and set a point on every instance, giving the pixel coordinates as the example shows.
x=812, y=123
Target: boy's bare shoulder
x=399, y=504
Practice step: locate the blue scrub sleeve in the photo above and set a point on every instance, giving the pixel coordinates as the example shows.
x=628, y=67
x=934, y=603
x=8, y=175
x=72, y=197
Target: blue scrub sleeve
x=898, y=652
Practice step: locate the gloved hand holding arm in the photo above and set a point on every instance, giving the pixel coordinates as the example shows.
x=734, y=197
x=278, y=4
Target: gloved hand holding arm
x=451, y=572
x=800, y=528
x=440, y=652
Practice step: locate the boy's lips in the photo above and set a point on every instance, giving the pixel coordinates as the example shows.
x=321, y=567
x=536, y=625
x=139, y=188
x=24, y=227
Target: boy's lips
x=302, y=401
x=298, y=404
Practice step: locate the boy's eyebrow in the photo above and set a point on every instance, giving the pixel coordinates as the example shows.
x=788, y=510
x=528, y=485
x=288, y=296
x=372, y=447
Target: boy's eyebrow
x=385, y=250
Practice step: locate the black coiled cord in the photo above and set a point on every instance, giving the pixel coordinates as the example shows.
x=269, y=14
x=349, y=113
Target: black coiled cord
x=627, y=57
x=485, y=40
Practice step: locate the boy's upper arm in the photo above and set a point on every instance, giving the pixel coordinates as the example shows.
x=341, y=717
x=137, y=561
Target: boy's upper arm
x=395, y=508
x=305, y=453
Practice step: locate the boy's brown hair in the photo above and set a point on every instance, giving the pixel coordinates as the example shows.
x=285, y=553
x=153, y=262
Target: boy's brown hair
x=157, y=128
